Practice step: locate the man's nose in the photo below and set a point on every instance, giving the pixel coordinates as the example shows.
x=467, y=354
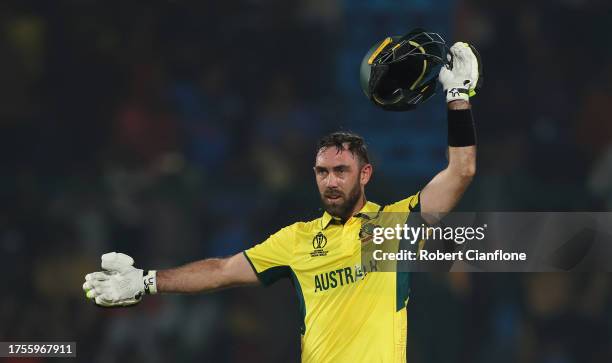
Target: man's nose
x=332, y=181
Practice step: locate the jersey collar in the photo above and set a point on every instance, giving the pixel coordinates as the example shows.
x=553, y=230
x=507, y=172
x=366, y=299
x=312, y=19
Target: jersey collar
x=365, y=212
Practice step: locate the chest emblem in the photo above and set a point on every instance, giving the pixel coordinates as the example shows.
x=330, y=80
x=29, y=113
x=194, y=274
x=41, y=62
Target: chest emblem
x=318, y=244
x=366, y=233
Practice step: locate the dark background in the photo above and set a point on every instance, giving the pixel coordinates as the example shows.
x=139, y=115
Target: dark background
x=176, y=131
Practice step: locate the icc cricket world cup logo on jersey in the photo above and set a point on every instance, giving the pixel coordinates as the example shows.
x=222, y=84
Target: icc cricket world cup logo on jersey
x=318, y=243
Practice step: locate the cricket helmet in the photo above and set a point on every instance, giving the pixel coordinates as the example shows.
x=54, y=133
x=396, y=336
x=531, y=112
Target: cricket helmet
x=400, y=72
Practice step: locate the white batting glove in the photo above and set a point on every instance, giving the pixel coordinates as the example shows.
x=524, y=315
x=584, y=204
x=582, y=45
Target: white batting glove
x=464, y=75
x=120, y=283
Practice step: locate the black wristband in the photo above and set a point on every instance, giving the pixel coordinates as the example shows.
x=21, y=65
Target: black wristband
x=461, y=129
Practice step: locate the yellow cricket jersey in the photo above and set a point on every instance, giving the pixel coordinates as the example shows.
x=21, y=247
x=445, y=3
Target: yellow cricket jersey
x=349, y=314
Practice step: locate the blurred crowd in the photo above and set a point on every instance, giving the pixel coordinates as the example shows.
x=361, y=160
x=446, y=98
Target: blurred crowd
x=179, y=131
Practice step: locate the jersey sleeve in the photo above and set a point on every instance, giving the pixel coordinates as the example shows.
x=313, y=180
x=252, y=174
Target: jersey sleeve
x=402, y=212
x=410, y=204
x=271, y=259
x=408, y=211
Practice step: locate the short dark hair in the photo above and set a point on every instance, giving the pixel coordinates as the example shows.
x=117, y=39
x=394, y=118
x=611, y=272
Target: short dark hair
x=356, y=144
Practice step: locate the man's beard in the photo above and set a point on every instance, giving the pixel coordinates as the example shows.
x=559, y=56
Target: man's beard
x=344, y=209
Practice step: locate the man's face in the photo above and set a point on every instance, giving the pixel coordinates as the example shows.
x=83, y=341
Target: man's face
x=341, y=180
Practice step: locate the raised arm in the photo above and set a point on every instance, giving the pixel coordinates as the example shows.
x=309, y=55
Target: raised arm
x=444, y=191
x=121, y=284
x=460, y=80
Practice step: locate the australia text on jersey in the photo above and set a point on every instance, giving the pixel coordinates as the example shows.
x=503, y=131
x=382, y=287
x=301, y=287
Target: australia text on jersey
x=342, y=276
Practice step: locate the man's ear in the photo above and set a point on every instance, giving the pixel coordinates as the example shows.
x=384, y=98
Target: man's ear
x=365, y=174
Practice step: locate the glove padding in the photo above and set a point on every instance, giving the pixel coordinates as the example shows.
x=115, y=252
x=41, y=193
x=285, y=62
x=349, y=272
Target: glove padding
x=120, y=283
x=464, y=75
